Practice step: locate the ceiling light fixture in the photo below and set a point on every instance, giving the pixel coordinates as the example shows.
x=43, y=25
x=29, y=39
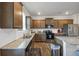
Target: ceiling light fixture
x=67, y=13
x=38, y=13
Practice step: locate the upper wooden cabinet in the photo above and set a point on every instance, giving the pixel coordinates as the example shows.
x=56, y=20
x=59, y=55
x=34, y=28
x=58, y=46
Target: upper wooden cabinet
x=17, y=15
x=6, y=15
x=42, y=23
x=48, y=21
x=38, y=23
x=57, y=23
x=10, y=15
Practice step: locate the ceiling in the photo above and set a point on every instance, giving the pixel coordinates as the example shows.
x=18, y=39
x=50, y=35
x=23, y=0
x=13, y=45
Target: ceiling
x=52, y=8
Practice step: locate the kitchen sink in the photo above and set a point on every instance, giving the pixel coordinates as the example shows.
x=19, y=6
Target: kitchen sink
x=27, y=36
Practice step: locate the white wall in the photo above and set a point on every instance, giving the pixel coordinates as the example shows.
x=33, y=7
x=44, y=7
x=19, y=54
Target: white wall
x=25, y=13
x=28, y=23
x=55, y=17
x=76, y=19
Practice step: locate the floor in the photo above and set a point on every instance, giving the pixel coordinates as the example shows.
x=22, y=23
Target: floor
x=44, y=48
x=41, y=45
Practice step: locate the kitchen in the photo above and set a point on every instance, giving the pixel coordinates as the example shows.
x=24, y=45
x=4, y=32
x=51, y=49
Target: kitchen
x=35, y=29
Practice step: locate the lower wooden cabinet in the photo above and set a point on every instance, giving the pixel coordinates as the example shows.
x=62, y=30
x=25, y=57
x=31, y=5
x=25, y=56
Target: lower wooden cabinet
x=13, y=52
x=0, y=52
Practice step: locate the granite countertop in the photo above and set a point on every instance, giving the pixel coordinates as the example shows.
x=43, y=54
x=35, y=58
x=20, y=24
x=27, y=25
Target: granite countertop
x=19, y=43
x=70, y=40
x=70, y=45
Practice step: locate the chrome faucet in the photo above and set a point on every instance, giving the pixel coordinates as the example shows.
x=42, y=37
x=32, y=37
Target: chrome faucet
x=24, y=36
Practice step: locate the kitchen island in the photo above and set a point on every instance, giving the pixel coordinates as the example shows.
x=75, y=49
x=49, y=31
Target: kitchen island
x=17, y=47
x=70, y=45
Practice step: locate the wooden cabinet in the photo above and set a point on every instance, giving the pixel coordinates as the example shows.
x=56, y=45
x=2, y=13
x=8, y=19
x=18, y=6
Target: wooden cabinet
x=6, y=15
x=57, y=23
x=38, y=23
x=17, y=15
x=49, y=21
x=64, y=21
x=0, y=52
x=60, y=23
x=42, y=23
x=13, y=52
x=10, y=15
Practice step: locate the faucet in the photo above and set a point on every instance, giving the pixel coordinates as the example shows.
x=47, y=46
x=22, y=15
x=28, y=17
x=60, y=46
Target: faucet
x=24, y=36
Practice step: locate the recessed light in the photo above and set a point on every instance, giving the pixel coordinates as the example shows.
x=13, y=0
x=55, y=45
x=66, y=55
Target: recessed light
x=38, y=13
x=67, y=13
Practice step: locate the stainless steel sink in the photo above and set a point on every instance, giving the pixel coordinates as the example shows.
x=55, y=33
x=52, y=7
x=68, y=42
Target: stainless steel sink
x=27, y=37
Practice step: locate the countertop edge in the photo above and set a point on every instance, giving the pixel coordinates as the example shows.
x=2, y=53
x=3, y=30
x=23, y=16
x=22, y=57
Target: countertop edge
x=22, y=45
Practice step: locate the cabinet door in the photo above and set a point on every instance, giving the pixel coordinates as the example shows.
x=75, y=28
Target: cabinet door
x=64, y=21
x=37, y=23
x=60, y=23
x=70, y=21
x=0, y=52
x=6, y=14
x=49, y=21
x=17, y=15
x=42, y=23
x=55, y=23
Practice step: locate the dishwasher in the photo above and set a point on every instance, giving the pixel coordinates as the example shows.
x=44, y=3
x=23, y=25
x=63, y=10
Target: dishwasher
x=55, y=49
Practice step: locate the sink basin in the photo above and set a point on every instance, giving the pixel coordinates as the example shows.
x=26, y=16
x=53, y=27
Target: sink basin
x=28, y=36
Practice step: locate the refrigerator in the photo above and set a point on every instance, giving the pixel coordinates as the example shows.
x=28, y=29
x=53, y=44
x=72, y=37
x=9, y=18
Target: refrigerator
x=71, y=29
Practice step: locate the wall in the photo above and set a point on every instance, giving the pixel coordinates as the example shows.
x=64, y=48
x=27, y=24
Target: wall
x=25, y=13
x=76, y=19
x=28, y=23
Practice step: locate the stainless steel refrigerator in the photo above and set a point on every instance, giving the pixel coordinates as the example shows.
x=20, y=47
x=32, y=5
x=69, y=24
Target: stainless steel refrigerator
x=71, y=29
